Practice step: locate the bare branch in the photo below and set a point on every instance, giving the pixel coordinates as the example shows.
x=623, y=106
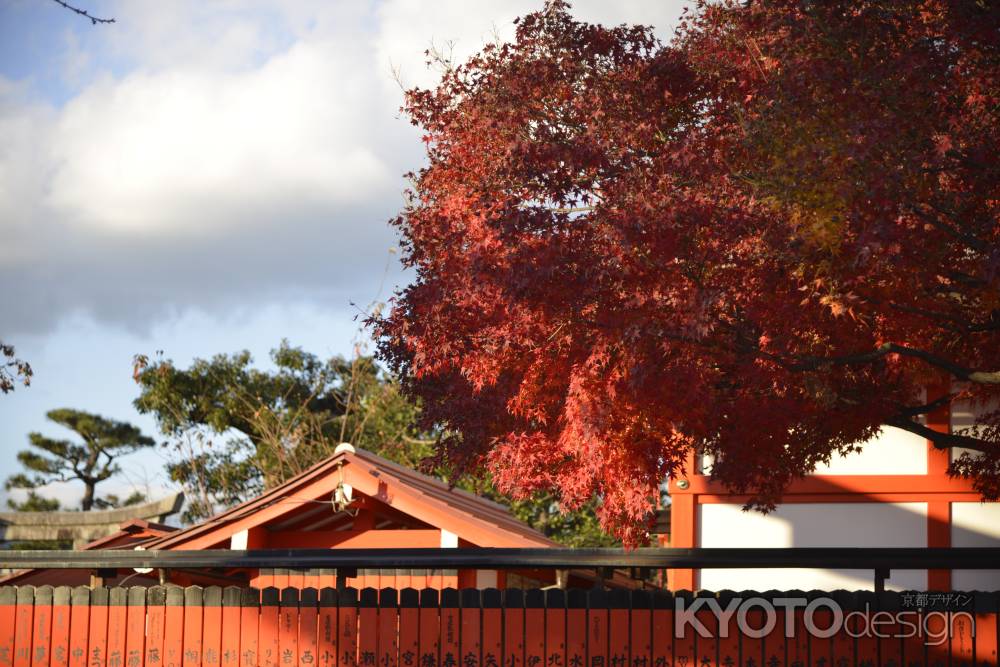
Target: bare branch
x=93, y=19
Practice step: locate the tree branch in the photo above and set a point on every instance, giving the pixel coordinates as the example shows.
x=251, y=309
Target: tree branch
x=968, y=239
x=93, y=19
x=960, y=372
x=917, y=410
x=939, y=439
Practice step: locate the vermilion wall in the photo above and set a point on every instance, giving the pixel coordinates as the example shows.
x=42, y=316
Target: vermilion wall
x=894, y=493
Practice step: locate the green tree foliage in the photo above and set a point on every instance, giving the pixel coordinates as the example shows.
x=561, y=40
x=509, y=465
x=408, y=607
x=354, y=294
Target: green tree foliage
x=112, y=501
x=34, y=503
x=92, y=462
x=578, y=528
x=236, y=430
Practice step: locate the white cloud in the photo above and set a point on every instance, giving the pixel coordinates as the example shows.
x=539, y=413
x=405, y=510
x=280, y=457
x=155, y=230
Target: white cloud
x=407, y=28
x=179, y=150
x=223, y=154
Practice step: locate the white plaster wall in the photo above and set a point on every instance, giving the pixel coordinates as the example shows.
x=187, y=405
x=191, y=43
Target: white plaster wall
x=893, y=452
x=975, y=525
x=812, y=525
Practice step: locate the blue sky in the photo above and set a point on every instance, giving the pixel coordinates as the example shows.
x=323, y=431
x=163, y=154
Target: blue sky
x=207, y=176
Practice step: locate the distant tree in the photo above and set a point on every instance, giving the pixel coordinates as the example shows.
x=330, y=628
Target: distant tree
x=113, y=501
x=273, y=424
x=105, y=441
x=277, y=423
x=34, y=503
x=13, y=371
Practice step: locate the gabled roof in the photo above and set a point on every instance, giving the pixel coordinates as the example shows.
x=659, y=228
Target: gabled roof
x=475, y=520
x=131, y=534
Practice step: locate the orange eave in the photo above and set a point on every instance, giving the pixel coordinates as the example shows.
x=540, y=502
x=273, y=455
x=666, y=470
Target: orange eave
x=475, y=520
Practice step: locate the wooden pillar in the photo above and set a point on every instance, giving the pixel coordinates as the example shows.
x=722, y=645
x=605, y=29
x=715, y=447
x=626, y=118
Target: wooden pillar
x=938, y=511
x=683, y=522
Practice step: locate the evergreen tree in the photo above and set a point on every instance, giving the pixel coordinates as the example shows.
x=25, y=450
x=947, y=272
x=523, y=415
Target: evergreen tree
x=91, y=462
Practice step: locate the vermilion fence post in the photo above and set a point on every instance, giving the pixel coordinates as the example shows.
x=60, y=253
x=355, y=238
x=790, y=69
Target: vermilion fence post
x=471, y=628
x=22, y=625
x=308, y=615
x=250, y=627
x=41, y=640
x=866, y=645
x=663, y=630
x=775, y=648
x=986, y=608
x=936, y=624
x=156, y=598
x=640, y=638
x=751, y=647
x=843, y=644
x=117, y=626
x=79, y=627
x=229, y=644
x=135, y=626
x=327, y=630
x=597, y=628
x=173, y=627
x=706, y=649
x=534, y=628
x=288, y=628
x=267, y=643
x=797, y=646
x=60, y=627
x=492, y=628
x=368, y=626
x=914, y=648
x=684, y=641
x=555, y=628
x=8, y=614
x=409, y=627
x=388, y=632
x=576, y=628
x=97, y=655
x=513, y=628
x=890, y=644
x=618, y=627
x=430, y=628
x=449, y=628
x=822, y=618
x=211, y=626
x=729, y=633
x=961, y=628
x=193, y=617
x=347, y=627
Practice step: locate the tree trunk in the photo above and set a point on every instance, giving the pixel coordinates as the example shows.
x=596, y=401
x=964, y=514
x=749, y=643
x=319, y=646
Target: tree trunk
x=88, y=496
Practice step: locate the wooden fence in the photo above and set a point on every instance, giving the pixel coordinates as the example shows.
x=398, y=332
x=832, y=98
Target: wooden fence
x=243, y=627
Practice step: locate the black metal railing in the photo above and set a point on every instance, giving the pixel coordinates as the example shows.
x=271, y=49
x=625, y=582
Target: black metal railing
x=880, y=560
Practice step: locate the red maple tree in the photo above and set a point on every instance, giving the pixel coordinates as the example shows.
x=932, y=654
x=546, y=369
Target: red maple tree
x=762, y=241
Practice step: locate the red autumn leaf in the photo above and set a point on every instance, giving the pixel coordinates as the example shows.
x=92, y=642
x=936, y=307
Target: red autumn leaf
x=607, y=226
